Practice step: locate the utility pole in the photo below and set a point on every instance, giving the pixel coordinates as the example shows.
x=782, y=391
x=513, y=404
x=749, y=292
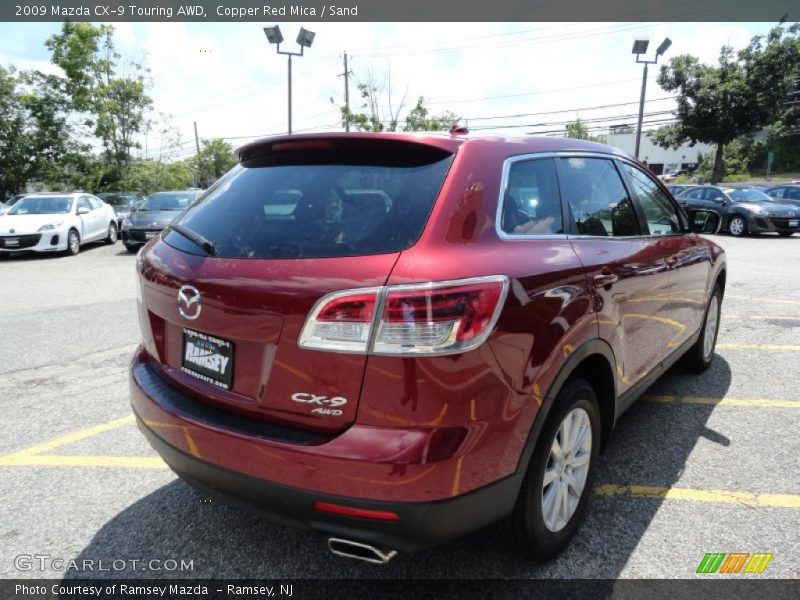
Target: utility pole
x=197, y=145
x=346, y=76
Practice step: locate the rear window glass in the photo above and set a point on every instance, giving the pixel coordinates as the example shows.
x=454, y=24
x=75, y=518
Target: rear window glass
x=265, y=210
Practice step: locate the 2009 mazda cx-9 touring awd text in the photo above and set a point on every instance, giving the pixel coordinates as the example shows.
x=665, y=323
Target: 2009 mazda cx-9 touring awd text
x=396, y=339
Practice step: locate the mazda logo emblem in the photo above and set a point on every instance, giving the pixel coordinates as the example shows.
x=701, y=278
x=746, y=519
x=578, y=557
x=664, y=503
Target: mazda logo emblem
x=189, y=302
x=11, y=230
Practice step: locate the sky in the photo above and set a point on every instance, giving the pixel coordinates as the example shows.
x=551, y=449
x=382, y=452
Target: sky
x=226, y=77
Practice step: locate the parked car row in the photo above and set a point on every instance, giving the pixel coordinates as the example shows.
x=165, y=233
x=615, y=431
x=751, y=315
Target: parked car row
x=63, y=222
x=747, y=210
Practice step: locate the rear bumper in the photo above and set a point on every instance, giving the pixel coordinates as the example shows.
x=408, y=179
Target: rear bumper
x=280, y=472
x=420, y=524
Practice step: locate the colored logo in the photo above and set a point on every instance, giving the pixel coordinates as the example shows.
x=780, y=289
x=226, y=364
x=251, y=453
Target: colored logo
x=734, y=562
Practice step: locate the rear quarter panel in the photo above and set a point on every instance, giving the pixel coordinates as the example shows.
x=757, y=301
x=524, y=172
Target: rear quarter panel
x=492, y=394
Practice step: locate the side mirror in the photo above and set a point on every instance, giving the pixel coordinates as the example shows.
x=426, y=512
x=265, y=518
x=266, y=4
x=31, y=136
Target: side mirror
x=83, y=210
x=704, y=221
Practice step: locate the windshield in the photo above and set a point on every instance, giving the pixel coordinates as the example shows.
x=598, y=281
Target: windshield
x=747, y=195
x=176, y=201
x=117, y=200
x=315, y=210
x=53, y=205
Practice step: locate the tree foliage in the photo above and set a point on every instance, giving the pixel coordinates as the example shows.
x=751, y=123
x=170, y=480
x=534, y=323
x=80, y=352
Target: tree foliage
x=743, y=93
x=148, y=176
x=215, y=159
x=379, y=112
x=34, y=129
x=111, y=95
x=419, y=118
x=577, y=130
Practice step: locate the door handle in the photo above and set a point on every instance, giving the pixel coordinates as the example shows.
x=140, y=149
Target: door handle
x=604, y=278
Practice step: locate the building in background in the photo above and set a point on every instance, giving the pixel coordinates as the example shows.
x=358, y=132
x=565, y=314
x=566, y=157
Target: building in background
x=659, y=160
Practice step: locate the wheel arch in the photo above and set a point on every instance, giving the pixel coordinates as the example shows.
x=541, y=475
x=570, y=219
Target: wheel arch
x=595, y=362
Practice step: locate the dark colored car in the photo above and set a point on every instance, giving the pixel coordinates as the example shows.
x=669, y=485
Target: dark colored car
x=788, y=194
x=123, y=203
x=678, y=188
x=744, y=210
x=153, y=215
x=395, y=340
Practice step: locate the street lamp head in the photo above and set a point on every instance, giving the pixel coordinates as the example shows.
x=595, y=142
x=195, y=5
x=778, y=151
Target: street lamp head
x=664, y=46
x=640, y=46
x=274, y=35
x=305, y=38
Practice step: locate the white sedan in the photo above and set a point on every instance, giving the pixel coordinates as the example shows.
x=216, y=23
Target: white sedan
x=56, y=223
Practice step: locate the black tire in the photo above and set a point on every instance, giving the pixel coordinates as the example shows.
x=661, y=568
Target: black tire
x=111, y=238
x=740, y=231
x=524, y=529
x=785, y=233
x=131, y=248
x=696, y=358
x=73, y=242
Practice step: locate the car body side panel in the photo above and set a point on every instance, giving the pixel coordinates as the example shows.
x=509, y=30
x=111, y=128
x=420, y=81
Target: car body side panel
x=487, y=398
x=632, y=312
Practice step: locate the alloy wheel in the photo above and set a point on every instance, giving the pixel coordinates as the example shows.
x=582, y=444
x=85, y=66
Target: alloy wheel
x=736, y=226
x=567, y=469
x=710, y=333
x=74, y=242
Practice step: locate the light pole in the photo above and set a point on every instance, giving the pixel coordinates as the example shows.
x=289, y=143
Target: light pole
x=305, y=38
x=639, y=48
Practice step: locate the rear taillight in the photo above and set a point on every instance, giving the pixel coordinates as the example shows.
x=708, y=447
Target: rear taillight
x=431, y=318
x=341, y=321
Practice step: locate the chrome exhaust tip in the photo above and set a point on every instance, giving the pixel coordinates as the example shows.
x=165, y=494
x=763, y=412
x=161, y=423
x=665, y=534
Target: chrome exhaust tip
x=360, y=551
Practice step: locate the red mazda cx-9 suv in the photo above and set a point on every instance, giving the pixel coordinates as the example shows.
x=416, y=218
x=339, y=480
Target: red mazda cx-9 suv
x=396, y=339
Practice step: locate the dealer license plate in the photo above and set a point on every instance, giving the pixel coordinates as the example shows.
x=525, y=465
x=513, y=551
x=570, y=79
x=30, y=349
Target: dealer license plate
x=208, y=358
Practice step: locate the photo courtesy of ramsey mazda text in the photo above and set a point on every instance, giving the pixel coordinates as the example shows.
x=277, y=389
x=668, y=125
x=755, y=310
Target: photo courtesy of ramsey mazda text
x=396, y=339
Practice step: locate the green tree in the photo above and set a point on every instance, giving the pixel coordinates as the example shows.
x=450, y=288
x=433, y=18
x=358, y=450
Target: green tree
x=378, y=112
x=420, y=119
x=745, y=92
x=577, y=130
x=215, y=159
x=111, y=95
x=148, y=176
x=34, y=129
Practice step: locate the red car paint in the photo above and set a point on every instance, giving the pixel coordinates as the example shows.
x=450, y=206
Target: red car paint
x=416, y=428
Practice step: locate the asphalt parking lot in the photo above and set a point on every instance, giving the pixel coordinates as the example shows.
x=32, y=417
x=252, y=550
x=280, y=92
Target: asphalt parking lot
x=701, y=464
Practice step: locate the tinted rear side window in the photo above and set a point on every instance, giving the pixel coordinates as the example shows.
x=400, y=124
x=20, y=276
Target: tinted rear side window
x=532, y=205
x=264, y=209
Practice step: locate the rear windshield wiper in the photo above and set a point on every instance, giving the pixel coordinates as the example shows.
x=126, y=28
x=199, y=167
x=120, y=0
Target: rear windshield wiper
x=195, y=237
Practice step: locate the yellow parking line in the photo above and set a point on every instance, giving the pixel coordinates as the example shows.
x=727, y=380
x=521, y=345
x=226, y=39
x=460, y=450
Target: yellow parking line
x=120, y=462
x=762, y=299
x=788, y=348
x=695, y=495
x=770, y=318
x=748, y=403
x=70, y=438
